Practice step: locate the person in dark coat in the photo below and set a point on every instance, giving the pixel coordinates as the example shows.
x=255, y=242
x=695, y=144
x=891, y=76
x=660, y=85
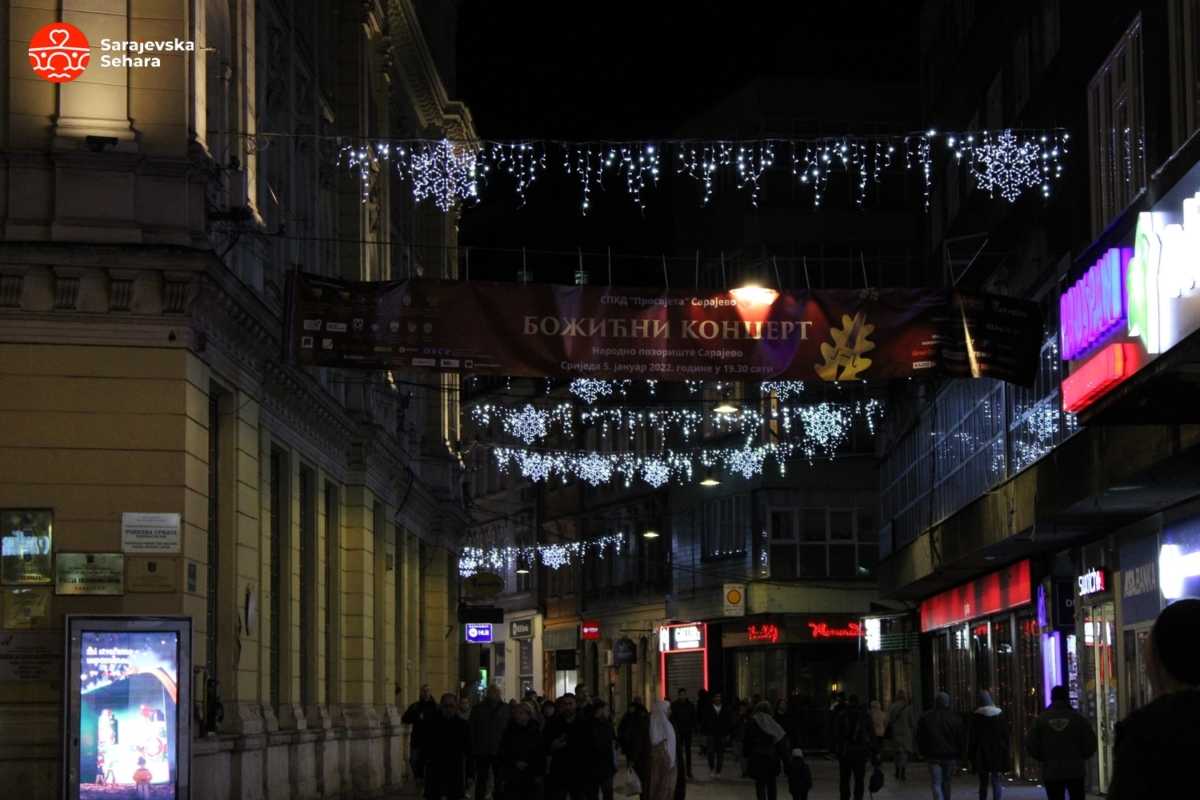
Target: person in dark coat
x=602, y=761
x=448, y=744
x=420, y=715
x=487, y=720
x=716, y=725
x=853, y=743
x=681, y=778
x=633, y=736
x=522, y=756
x=1156, y=745
x=799, y=775
x=1063, y=740
x=988, y=745
x=940, y=743
x=683, y=717
x=561, y=738
x=761, y=743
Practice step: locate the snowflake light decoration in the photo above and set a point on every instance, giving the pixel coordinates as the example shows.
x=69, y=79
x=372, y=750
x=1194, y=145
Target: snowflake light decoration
x=443, y=172
x=589, y=390
x=528, y=425
x=1007, y=165
x=747, y=462
x=784, y=390
x=656, y=472
x=595, y=468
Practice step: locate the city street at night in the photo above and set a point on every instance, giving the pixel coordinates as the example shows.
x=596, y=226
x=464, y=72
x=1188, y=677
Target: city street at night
x=454, y=399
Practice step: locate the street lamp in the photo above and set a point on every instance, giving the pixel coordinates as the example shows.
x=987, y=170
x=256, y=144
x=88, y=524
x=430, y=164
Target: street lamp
x=650, y=534
x=709, y=478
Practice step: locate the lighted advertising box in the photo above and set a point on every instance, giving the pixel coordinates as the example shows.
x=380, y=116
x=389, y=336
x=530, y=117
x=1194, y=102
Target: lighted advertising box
x=127, y=708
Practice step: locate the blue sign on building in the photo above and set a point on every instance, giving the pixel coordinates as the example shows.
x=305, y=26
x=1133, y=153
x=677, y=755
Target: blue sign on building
x=479, y=633
x=1139, y=580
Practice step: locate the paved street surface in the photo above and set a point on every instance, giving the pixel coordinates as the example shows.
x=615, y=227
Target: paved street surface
x=825, y=784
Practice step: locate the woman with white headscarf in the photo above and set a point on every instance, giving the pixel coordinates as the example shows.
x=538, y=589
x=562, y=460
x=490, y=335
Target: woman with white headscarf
x=662, y=753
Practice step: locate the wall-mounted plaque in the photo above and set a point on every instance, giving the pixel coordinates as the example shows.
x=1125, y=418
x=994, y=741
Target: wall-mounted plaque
x=26, y=540
x=150, y=574
x=25, y=607
x=150, y=532
x=89, y=573
x=31, y=655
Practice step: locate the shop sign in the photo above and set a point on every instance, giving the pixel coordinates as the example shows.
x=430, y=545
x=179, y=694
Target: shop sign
x=1140, y=600
x=1097, y=376
x=589, y=630
x=543, y=330
x=1145, y=295
x=735, y=600
x=823, y=630
x=520, y=629
x=26, y=541
x=89, y=574
x=150, y=532
x=1179, y=560
x=687, y=636
x=1093, y=581
x=767, y=632
x=479, y=633
x=624, y=651
x=872, y=634
x=1002, y=590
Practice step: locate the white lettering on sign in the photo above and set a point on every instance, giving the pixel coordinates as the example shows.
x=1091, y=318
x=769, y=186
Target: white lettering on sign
x=1092, y=582
x=1139, y=580
x=687, y=636
x=150, y=533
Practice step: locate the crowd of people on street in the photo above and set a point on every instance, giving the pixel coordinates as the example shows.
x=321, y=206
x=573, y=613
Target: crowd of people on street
x=569, y=749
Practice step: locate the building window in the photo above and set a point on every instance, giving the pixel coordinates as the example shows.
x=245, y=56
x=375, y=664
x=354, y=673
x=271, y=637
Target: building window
x=822, y=543
x=1117, y=123
x=333, y=539
x=1184, y=61
x=308, y=585
x=724, y=527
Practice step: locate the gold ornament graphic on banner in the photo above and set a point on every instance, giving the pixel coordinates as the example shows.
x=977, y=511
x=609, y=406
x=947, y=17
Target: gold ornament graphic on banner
x=844, y=359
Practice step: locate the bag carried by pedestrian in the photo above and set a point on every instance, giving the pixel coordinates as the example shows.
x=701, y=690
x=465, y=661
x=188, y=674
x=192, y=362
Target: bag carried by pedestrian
x=632, y=785
x=876, y=782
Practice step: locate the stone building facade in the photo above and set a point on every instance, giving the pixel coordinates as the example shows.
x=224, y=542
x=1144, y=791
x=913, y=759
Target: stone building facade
x=149, y=218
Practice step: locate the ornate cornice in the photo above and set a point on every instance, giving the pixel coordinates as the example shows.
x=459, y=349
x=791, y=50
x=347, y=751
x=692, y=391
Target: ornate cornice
x=419, y=75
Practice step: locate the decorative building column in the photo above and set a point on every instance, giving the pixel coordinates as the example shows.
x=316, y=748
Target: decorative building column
x=97, y=102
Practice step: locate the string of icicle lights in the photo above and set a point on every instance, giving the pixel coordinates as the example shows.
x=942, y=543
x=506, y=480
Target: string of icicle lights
x=553, y=556
x=1008, y=163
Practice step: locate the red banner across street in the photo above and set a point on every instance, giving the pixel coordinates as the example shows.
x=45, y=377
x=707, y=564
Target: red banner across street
x=542, y=330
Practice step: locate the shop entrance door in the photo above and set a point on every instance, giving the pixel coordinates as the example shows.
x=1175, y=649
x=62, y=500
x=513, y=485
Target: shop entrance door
x=1100, y=661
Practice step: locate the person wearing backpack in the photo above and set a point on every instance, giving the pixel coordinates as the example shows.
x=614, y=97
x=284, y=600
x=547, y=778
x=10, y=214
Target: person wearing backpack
x=761, y=744
x=854, y=743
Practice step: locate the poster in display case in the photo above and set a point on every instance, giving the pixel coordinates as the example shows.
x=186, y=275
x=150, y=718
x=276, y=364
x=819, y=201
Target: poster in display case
x=127, y=708
x=26, y=542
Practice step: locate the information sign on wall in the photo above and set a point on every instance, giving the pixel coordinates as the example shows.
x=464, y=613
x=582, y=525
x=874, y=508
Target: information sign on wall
x=150, y=532
x=89, y=573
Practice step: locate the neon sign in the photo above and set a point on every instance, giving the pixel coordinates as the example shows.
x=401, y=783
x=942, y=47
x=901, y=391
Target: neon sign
x=822, y=630
x=1095, y=306
x=763, y=633
x=589, y=630
x=874, y=635
x=687, y=636
x=1098, y=375
x=1092, y=582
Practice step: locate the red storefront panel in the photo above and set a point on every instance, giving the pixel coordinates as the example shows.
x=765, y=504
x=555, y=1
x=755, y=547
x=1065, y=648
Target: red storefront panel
x=1001, y=590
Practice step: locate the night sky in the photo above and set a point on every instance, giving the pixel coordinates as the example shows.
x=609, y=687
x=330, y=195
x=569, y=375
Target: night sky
x=595, y=70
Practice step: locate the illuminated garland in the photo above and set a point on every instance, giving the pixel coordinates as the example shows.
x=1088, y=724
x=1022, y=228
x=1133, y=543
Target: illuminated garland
x=553, y=556
x=1007, y=162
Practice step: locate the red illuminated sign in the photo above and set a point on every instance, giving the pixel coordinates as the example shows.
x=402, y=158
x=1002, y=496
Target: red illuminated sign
x=823, y=630
x=589, y=630
x=1008, y=588
x=1098, y=375
x=762, y=633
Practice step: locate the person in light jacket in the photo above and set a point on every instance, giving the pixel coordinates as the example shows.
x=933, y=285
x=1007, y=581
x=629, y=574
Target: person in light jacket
x=988, y=745
x=1063, y=740
x=903, y=722
x=878, y=724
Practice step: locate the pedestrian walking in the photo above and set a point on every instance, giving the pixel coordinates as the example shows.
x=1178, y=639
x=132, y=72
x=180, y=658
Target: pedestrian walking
x=633, y=736
x=737, y=735
x=420, y=716
x=561, y=738
x=854, y=743
x=1063, y=740
x=683, y=716
x=940, y=742
x=799, y=775
x=522, y=757
x=1156, y=745
x=902, y=723
x=448, y=747
x=602, y=761
x=878, y=724
x=488, y=721
x=716, y=727
x=681, y=779
x=988, y=745
x=761, y=744
x=662, y=753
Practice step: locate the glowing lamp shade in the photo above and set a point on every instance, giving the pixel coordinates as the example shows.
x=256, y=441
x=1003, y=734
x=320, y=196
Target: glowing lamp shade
x=725, y=407
x=753, y=295
x=650, y=534
x=1099, y=375
x=709, y=479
